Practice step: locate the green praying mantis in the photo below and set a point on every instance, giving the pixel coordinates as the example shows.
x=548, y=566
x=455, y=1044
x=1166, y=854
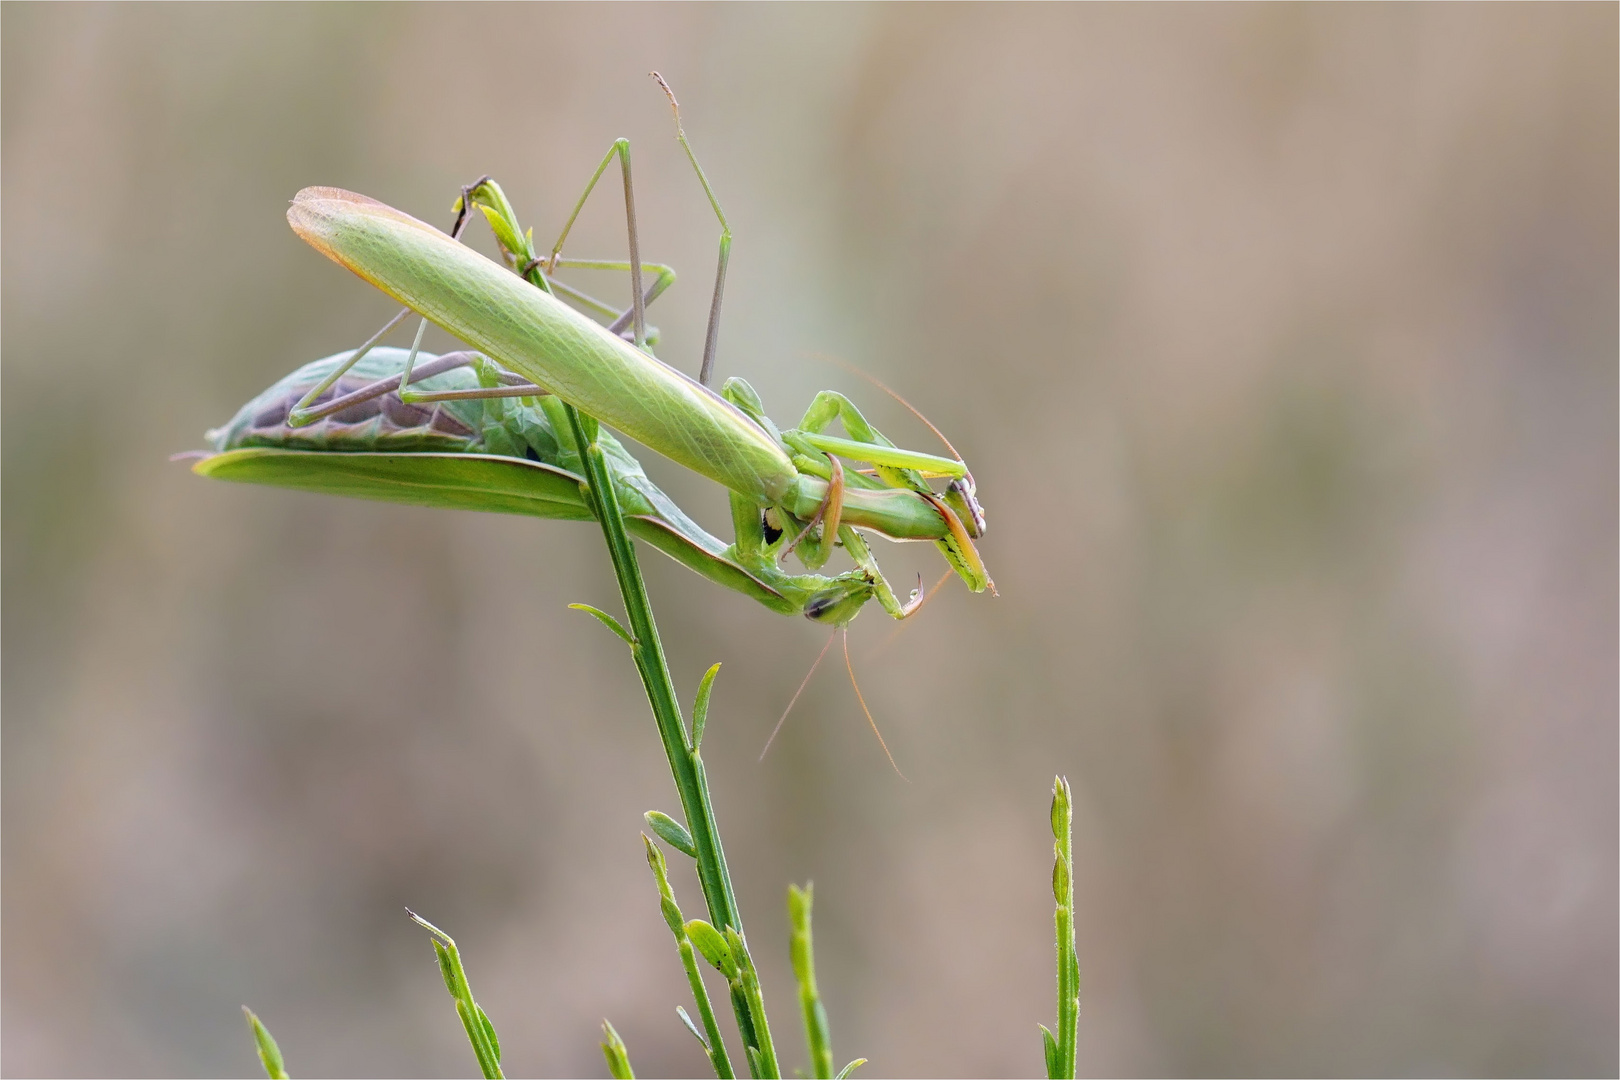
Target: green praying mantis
x=483, y=429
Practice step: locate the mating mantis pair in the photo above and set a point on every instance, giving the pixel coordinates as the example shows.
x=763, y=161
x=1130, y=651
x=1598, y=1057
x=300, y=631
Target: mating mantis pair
x=484, y=430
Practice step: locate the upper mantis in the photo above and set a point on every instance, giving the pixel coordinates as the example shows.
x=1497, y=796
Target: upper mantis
x=788, y=487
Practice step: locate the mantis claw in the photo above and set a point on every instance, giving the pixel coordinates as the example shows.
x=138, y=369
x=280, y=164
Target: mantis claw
x=915, y=600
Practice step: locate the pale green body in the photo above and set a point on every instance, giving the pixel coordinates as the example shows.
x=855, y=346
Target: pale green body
x=546, y=341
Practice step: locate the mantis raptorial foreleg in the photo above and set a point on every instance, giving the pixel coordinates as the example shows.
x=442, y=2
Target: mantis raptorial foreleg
x=897, y=468
x=711, y=339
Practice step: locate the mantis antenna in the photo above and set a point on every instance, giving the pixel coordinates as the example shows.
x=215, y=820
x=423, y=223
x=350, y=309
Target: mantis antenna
x=849, y=667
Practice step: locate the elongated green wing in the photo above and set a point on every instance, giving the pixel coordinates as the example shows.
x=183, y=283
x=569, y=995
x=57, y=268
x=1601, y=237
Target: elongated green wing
x=539, y=337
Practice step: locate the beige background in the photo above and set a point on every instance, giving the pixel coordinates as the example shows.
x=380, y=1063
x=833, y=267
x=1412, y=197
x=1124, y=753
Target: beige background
x=1282, y=342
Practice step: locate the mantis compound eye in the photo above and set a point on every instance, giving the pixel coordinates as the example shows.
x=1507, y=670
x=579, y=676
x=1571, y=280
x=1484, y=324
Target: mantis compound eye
x=961, y=496
x=839, y=602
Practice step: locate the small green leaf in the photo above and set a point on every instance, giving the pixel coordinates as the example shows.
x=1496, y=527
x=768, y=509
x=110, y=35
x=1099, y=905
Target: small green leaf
x=1060, y=882
x=269, y=1052
x=713, y=946
x=607, y=620
x=489, y=1030
x=1054, y=1066
x=671, y=832
x=843, y=1073
x=447, y=968
x=696, y=1034
x=700, y=707
x=672, y=915
x=1060, y=808
x=755, y=1065
x=618, y=1058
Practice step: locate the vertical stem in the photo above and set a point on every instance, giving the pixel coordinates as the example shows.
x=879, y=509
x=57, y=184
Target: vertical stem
x=1068, y=965
x=816, y=1034
x=684, y=763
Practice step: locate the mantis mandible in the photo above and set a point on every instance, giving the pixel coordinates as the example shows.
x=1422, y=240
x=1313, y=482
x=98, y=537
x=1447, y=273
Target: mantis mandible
x=788, y=487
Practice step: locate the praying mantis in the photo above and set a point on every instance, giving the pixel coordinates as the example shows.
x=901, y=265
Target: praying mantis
x=499, y=444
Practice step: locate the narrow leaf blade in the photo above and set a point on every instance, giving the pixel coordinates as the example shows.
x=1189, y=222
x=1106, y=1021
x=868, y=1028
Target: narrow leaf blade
x=700, y=707
x=693, y=1028
x=607, y=620
x=489, y=1030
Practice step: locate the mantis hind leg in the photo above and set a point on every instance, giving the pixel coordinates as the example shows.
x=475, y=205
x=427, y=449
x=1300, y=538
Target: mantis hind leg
x=711, y=339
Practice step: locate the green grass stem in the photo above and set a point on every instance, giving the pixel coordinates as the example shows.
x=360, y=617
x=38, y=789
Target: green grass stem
x=817, y=1034
x=686, y=766
x=1060, y=1048
x=714, y=1044
x=480, y=1032
x=618, y=1058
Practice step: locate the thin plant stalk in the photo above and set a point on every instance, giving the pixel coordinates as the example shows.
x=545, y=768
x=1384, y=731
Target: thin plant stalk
x=713, y=1043
x=684, y=763
x=480, y=1032
x=817, y=1034
x=1060, y=1048
x=618, y=1058
x=642, y=636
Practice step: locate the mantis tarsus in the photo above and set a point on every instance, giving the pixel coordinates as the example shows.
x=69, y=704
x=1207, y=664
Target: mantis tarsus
x=788, y=488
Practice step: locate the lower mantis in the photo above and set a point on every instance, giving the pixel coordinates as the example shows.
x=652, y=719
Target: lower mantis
x=498, y=454
x=788, y=488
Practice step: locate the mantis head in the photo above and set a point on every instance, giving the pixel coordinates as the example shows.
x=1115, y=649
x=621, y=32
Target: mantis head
x=962, y=497
x=840, y=601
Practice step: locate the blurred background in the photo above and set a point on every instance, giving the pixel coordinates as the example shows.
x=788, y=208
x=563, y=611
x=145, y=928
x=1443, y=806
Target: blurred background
x=1282, y=343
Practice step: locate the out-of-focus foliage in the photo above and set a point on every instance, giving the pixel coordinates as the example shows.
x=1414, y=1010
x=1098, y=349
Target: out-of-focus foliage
x=1282, y=341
